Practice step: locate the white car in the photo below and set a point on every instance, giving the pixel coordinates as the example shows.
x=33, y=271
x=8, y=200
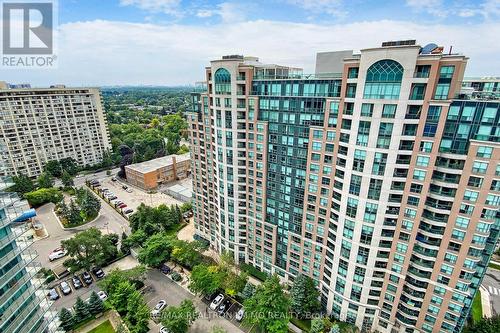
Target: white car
x=239, y=315
x=216, y=302
x=163, y=329
x=158, y=307
x=102, y=295
x=57, y=254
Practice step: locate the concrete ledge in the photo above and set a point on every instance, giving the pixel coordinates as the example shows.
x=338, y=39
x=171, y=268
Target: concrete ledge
x=485, y=302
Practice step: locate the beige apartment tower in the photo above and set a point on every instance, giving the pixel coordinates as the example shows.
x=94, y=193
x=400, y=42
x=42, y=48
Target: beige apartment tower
x=375, y=176
x=43, y=124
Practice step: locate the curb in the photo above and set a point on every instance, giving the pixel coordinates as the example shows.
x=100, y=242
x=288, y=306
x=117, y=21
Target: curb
x=73, y=228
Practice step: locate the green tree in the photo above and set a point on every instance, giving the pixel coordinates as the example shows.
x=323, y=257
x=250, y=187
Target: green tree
x=485, y=325
x=22, y=184
x=234, y=283
x=206, y=279
x=304, y=296
x=88, y=203
x=67, y=319
x=74, y=217
x=186, y=253
x=69, y=164
x=317, y=325
x=248, y=291
x=156, y=250
x=42, y=196
x=124, y=246
x=95, y=305
x=89, y=248
x=137, y=313
x=186, y=207
x=53, y=168
x=81, y=309
x=179, y=319
x=268, y=308
x=67, y=179
x=120, y=295
x=45, y=180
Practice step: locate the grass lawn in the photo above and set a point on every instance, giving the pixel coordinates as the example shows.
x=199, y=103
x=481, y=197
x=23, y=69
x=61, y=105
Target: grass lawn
x=495, y=266
x=175, y=230
x=477, y=310
x=105, y=327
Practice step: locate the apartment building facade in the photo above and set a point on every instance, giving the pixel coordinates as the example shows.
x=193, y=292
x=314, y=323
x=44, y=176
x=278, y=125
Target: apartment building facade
x=366, y=176
x=483, y=87
x=24, y=306
x=39, y=125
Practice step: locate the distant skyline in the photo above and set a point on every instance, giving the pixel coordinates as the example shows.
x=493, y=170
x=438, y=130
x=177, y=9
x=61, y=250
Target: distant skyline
x=169, y=42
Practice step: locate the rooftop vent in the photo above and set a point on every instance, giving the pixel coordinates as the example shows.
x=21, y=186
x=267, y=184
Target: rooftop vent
x=232, y=57
x=399, y=43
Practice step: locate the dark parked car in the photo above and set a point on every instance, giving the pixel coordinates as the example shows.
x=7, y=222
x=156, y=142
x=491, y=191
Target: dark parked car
x=77, y=284
x=86, y=278
x=224, y=307
x=165, y=269
x=98, y=272
x=176, y=276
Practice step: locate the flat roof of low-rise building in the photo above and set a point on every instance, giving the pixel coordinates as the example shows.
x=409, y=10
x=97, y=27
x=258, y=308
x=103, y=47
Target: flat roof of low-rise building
x=157, y=163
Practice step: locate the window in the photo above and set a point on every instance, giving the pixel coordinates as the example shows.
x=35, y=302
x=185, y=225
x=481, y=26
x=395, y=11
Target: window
x=446, y=72
x=222, y=81
x=417, y=91
x=470, y=195
x=442, y=91
x=370, y=212
x=355, y=185
x=359, y=160
x=352, y=207
x=425, y=146
x=423, y=161
x=383, y=80
x=351, y=90
x=422, y=71
x=379, y=163
x=384, y=135
x=389, y=110
x=479, y=167
x=366, y=110
x=374, y=189
x=419, y=174
x=352, y=73
x=483, y=151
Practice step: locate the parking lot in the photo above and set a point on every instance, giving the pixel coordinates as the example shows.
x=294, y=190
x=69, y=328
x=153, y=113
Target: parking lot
x=168, y=290
x=84, y=292
x=132, y=196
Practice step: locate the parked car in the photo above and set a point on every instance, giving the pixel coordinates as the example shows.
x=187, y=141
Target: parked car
x=77, y=284
x=124, y=187
x=113, y=197
x=163, y=329
x=117, y=202
x=224, y=307
x=128, y=211
x=165, y=269
x=216, y=302
x=98, y=272
x=53, y=294
x=57, y=254
x=65, y=288
x=113, y=179
x=129, y=190
x=102, y=295
x=240, y=314
x=158, y=308
x=122, y=205
x=176, y=276
x=87, y=278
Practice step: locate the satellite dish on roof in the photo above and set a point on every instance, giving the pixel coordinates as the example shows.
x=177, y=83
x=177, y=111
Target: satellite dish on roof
x=428, y=48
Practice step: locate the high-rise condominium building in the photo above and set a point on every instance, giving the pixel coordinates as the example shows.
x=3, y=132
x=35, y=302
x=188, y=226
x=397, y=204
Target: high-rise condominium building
x=39, y=125
x=24, y=307
x=367, y=176
x=482, y=87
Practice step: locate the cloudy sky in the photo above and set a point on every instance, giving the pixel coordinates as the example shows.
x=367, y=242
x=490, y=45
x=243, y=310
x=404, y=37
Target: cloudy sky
x=169, y=42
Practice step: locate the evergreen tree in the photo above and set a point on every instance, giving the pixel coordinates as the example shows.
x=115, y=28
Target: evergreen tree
x=67, y=319
x=74, y=216
x=178, y=213
x=64, y=210
x=248, y=291
x=96, y=305
x=304, y=296
x=81, y=309
x=124, y=247
x=22, y=184
x=67, y=179
x=45, y=180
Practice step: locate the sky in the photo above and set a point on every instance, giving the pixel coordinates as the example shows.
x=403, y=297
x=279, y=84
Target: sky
x=169, y=42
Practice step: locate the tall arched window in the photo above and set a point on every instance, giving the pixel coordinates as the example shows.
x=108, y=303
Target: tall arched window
x=222, y=81
x=383, y=80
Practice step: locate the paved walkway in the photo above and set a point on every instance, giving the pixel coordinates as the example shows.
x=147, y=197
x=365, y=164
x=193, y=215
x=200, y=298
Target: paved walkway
x=485, y=302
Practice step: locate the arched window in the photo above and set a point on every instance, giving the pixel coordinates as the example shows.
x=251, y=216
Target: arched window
x=383, y=80
x=222, y=81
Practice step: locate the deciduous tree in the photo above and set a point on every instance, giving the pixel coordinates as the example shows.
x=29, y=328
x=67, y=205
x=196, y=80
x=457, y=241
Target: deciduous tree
x=22, y=184
x=179, y=319
x=45, y=180
x=304, y=296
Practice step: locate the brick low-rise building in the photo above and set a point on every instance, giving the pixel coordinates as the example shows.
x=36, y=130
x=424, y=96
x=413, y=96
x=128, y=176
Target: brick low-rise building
x=149, y=174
